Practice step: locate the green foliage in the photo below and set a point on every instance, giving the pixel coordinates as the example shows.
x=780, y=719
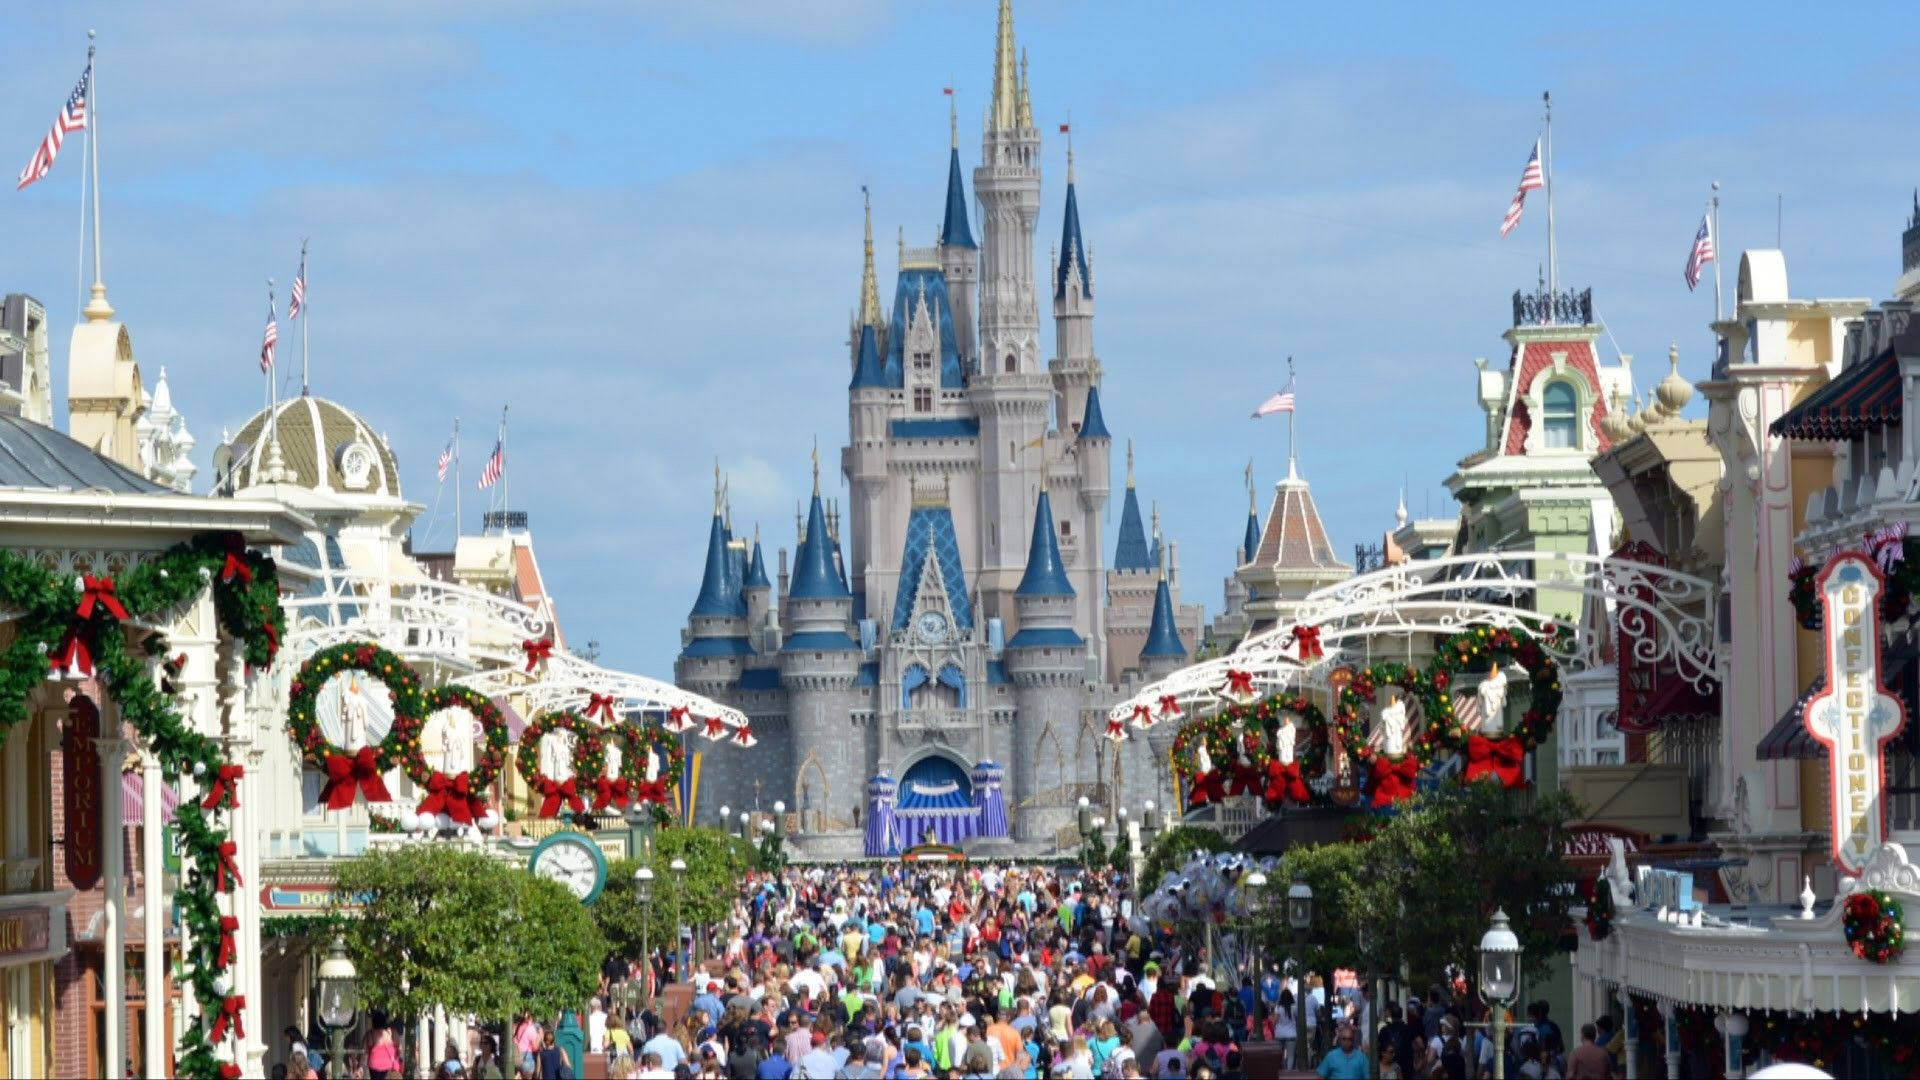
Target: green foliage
x=1337, y=875
x=445, y=926
x=1172, y=848
x=716, y=864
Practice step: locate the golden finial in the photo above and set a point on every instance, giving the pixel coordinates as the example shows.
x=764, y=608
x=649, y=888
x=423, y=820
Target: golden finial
x=953, y=114
x=726, y=501
x=1253, y=507
x=1026, y=103
x=869, y=284
x=718, y=490
x=1129, y=462
x=816, y=466
x=1006, y=89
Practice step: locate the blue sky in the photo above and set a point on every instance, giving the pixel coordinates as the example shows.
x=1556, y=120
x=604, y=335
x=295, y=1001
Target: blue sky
x=639, y=223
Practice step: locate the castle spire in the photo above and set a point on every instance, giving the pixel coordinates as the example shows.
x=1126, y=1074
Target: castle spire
x=1005, y=111
x=1129, y=464
x=1026, y=103
x=719, y=595
x=869, y=283
x=1046, y=574
x=1163, y=637
x=816, y=472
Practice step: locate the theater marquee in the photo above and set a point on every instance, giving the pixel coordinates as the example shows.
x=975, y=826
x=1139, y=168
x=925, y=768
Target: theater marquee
x=1854, y=717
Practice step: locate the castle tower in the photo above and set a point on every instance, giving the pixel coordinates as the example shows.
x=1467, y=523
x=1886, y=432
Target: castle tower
x=716, y=647
x=1046, y=661
x=1011, y=396
x=758, y=593
x=1093, y=450
x=959, y=255
x=819, y=664
x=1074, y=368
x=103, y=384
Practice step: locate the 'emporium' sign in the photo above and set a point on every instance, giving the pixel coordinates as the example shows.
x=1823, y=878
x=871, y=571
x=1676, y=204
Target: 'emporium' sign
x=82, y=760
x=1854, y=717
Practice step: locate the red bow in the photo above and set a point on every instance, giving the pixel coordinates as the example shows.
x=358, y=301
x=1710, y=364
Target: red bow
x=602, y=703
x=1393, y=780
x=1308, y=638
x=1115, y=729
x=1207, y=787
x=225, y=868
x=72, y=653
x=1284, y=783
x=235, y=566
x=225, y=788
x=677, y=718
x=537, y=651
x=345, y=773
x=228, y=924
x=611, y=792
x=1501, y=758
x=1142, y=716
x=230, y=1013
x=229, y=1071
x=452, y=796
x=744, y=737
x=716, y=728
x=99, y=590
x=1239, y=682
x=650, y=791
x=1169, y=705
x=554, y=793
x=1246, y=779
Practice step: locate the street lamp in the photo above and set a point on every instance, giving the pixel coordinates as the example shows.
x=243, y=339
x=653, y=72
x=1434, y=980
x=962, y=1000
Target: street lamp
x=1300, y=923
x=780, y=816
x=643, y=895
x=339, y=1000
x=1254, y=885
x=1499, y=982
x=726, y=820
x=679, y=868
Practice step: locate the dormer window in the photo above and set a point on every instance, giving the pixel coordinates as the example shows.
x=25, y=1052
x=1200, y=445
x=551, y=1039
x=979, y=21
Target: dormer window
x=1560, y=416
x=923, y=399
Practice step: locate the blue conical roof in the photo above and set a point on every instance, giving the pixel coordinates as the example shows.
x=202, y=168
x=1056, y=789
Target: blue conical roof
x=868, y=370
x=814, y=574
x=718, y=594
x=1131, y=552
x=1045, y=576
x=954, y=231
x=1162, y=638
x=1250, y=545
x=1092, y=424
x=1073, y=250
x=757, y=570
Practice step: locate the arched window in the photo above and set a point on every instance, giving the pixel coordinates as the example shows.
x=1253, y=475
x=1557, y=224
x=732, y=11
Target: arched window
x=1012, y=364
x=1560, y=409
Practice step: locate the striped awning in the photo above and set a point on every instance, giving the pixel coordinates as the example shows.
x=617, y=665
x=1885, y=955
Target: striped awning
x=1788, y=739
x=133, y=801
x=1863, y=398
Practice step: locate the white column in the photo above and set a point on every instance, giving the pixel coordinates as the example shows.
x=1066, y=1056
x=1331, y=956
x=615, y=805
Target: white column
x=423, y=1047
x=113, y=753
x=1671, y=1035
x=154, y=904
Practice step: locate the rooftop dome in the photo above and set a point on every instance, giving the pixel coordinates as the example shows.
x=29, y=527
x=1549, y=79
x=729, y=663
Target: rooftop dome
x=324, y=446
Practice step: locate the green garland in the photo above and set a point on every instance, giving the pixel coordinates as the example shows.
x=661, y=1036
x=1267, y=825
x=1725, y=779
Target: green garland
x=493, y=724
x=1600, y=910
x=651, y=738
x=1875, y=926
x=246, y=593
x=1475, y=650
x=589, y=749
x=401, y=746
x=1439, y=730
x=1250, y=733
x=1896, y=600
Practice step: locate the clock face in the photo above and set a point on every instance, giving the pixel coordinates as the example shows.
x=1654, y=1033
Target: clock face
x=572, y=860
x=931, y=626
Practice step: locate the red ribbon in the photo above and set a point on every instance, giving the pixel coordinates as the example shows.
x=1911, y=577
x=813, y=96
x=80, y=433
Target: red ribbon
x=1115, y=729
x=611, y=792
x=650, y=791
x=236, y=564
x=1246, y=779
x=1502, y=758
x=1207, y=787
x=1393, y=780
x=229, y=1071
x=1284, y=783
x=273, y=637
x=743, y=737
x=1142, y=716
x=716, y=728
x=677, y=718
x=225, y=789
x=537, y=651
x=345, y=773
x=99, y=590
x=228, y=924
x=602, y=703
x=230, y=1013
x=1308, y=638
x=554, y=793
x=1169, y=705
x=224, y=867
x=1239, y=682
x=72, y=653
x=454, y=797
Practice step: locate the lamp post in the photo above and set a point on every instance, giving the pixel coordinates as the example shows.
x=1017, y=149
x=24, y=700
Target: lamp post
x=679, y=868
x=1299, y=925
x=1254, y=889
x=339, y=1000
x=726, y=820
x=643, y=895
x=1499, y=982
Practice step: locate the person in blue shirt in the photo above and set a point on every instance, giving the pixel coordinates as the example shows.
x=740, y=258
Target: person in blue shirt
x=923, y=920
x=1345, y=1061
x=776, y=1066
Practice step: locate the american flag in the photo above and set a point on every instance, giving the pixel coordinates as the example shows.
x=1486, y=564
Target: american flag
x=496, y=464
x=297, y=299
x=446, y=459
x=1530, y=178
x=73, y=117
x=266, y=343
x=1702, y=252
x=1280, y=402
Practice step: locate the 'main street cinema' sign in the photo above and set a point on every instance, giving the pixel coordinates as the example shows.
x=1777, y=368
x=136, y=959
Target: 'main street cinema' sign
x=1854, y=717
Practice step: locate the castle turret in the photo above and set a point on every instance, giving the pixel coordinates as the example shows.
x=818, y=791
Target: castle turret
x=716, y=641
x=1075, y=369
x=758, y=591
x=1046, y=661
x=959, y=255
x=1163, y=653
x=819, y=664
x=1130, y=552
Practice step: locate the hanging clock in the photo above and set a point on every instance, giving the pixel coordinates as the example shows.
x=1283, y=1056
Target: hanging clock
x=572, y=859
x=932, y=627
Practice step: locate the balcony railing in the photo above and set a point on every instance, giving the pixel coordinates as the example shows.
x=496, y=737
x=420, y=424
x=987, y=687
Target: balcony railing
x=1544, y=308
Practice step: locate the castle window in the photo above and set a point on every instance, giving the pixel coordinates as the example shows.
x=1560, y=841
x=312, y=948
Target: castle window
x=1066, y=527
x=1560, y=415
x=922, y=399
x=1011, y=363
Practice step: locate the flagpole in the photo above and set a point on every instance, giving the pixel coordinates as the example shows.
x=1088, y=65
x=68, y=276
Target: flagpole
x=272, y=427
x=1553, y=267
x=505, y=503
x=1293, y=425
x=456, y=481
x=1714, y=212
x=306, y=316
x=86, y=156
x=93, y=126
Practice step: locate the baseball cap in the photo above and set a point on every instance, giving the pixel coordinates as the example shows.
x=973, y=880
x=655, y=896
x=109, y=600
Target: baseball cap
x=819, y=1039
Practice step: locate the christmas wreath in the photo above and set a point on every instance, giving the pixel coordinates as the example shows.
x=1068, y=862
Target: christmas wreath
x=1393, y=777
x=1891, y=549
x=589, y=761
x=349, y=769
x=1242, y=743
x=646, y=742
x=1476, y=650
x=1875, y=926
x=76, y=627
x=463, y=796
x=1600, y=910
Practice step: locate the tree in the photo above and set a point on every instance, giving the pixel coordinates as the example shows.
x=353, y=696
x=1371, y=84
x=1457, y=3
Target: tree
x=1172, y=848
x=1336, y=874
x=716, y=864
x=556, y=946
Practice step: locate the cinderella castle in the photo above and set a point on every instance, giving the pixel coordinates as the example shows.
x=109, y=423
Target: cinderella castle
x=939, y=656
